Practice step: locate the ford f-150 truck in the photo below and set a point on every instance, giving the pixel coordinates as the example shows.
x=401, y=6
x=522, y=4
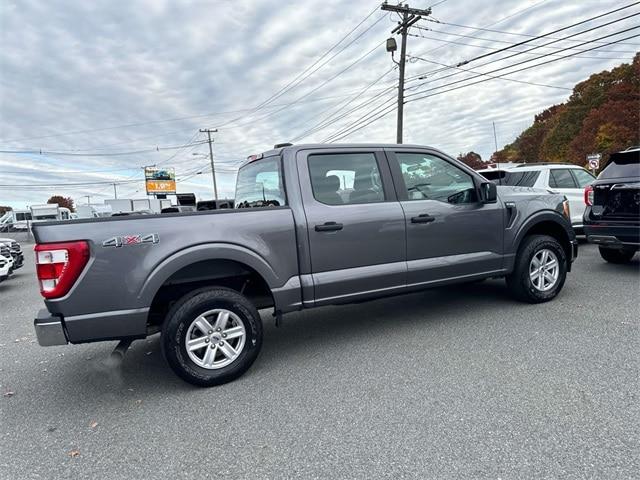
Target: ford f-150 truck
x=313, y=225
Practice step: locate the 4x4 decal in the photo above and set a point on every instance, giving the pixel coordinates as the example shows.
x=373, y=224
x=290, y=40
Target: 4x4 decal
x=127, y=240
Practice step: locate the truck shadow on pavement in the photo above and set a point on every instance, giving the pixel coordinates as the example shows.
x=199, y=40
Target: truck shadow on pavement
x=301, y=335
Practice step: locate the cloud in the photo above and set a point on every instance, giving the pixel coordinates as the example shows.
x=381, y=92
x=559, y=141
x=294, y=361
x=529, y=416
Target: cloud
x=69, y=67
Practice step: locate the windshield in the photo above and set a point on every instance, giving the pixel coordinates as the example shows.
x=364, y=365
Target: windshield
x=512, y=178
x=259, y=184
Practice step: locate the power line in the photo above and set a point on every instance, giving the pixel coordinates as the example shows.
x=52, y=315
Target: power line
x=331, y=118
x=524, y=52
x=529, y=60
x=524, y=42
x=506, y=42
x=102, y=154
x=371, y=117
x=514, y=14
x=74, y=184
x=383, y=105
x=375, y=119
x=484, y=47
x=168, y=120
x=490, y=76
x=330, y=79
x=509, y=73
x=433, y=20
x=304, y=75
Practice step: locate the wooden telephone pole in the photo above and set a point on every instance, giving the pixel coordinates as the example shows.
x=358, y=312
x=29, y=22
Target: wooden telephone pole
x=408, y=16
x=213, y=168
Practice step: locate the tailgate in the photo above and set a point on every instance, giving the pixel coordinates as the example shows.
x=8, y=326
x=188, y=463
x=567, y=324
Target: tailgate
x=619, y=201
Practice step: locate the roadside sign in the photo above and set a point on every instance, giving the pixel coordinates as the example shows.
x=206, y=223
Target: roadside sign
x=160, y=180
x=594, y=161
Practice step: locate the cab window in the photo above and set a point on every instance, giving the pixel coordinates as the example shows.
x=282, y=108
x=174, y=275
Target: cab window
x=345, y=178
x=259, y=184
x=427, y=177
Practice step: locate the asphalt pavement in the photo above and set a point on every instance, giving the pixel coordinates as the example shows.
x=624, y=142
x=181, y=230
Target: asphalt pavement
x=457, y=382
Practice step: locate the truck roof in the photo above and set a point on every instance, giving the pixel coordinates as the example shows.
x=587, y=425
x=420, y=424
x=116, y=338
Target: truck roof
x=311, y=146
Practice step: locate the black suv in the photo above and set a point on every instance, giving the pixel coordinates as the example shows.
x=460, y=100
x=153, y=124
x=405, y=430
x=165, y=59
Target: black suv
x=612, y=216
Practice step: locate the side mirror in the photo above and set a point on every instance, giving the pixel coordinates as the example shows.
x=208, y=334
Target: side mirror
x=488, y=192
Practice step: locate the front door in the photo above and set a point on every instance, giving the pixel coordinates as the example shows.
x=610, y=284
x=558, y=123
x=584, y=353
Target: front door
x=356, y=225
x=451, y=235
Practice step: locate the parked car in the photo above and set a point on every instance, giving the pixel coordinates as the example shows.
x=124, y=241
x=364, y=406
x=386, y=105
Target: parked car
x=5, y=253
x=414, y=218
x=612, y=215
x=15, y=250
x=569, y=180
x=4, y=268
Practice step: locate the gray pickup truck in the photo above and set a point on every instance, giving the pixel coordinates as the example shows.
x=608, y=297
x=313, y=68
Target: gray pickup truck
x=313, y=225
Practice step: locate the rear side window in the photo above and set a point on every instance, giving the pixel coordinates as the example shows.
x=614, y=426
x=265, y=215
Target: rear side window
x=582, y=177
x=259, y=184
x=623, y=164
x=561, y=178
x=345, y=178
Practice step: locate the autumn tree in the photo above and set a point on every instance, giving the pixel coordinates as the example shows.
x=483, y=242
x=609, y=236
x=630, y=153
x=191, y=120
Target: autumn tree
x=66, y=202
x=472, y=159
x=602, y=115
x=4, y=209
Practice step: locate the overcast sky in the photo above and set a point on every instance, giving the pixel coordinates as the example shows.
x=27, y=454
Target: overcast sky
x=105, y=77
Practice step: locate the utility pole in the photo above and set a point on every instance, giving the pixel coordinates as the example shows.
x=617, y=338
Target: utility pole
x=88, y=199
x=495, y=142
x=409, y=17
x=213, y=168
x=495, y=137
x=115, y=191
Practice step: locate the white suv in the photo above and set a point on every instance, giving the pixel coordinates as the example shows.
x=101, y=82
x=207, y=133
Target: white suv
x=6, y=262
x=568, y=179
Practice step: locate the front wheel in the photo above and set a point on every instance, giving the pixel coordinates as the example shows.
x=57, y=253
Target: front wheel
x=212, y=336
x=540, y=270
x=613, y=255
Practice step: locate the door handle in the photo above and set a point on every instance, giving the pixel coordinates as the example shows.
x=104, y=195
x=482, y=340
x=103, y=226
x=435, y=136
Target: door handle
x=423, y=218
x=329, y=227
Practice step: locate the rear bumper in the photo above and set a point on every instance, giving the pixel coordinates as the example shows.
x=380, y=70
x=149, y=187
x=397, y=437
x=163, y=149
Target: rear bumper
x=94, y=327
x=49, y=329
x=613, y=235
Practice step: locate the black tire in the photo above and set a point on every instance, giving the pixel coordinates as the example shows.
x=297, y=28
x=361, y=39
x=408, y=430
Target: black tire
x=185, y=311
x=614, y=255
x=519, y=282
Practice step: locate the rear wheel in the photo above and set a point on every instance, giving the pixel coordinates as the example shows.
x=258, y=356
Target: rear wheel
x=212, y=336
x=540, y=270
x=613, y=255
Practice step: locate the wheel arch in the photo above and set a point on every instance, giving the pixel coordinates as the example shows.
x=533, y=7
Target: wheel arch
x=200, y=266
x=547, y=223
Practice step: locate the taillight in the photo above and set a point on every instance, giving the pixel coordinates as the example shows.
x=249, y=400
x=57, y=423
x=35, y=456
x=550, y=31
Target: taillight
x=58, y=266
x=588, y=195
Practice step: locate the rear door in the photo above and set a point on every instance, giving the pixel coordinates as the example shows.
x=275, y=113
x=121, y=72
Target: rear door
x=450, y=233
x=355, y=224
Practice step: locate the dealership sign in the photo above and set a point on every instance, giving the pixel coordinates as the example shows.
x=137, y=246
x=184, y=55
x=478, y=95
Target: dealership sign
x=160, y=180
